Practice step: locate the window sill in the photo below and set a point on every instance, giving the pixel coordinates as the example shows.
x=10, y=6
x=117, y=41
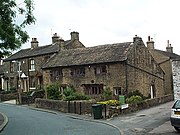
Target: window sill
x=31, y=69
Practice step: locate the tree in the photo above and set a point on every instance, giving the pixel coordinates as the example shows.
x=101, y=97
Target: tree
x=14, y=17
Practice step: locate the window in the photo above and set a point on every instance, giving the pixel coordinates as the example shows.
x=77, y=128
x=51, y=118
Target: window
x=56, y=74
x=32, y=65
x=100, y=70
x=117, y=91
x=78, y=72
x=11, y=67
x=93, y=89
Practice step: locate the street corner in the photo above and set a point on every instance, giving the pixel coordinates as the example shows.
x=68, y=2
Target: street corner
x=3, y=121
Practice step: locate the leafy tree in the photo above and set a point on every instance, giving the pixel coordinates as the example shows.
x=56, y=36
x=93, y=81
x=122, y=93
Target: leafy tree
x=13, y=19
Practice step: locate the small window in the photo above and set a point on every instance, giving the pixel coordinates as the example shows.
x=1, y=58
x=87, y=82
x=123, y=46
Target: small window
x=32, y=64
x=78, y=72
x=11, y=67
x=117, y=91
x=100, y=70
x=95, y=89
x=56, y=74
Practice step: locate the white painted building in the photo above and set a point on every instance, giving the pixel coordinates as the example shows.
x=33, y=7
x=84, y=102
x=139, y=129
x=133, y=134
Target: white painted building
x=176, y=78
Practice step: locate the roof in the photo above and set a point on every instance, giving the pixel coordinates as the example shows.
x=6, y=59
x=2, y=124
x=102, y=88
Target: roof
x=25, y=53
x=39, y=51
x=90, y=55
x=172, y=56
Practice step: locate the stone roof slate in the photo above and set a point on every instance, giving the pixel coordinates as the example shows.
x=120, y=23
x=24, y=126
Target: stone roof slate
x=172, y=56
x=39, y=51
x=90, y=55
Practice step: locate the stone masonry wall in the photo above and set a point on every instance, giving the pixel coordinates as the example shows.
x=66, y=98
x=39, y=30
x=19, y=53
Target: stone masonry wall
x=176, y=78
x=142, y=72
x=78, y=107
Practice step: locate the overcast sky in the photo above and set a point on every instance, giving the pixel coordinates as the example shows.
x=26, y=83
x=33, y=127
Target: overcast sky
x=107, y=21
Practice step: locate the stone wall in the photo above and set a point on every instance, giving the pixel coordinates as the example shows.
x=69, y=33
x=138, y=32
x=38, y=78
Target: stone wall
x=146, y=104
x=176, y=78
x=78, y=107
x=165, y=64
x=85, y=107
x=6, y=97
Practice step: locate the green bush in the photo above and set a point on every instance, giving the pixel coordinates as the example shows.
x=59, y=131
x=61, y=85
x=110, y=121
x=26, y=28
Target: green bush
x=134, y=100
x=70, y=95
x=107, y=94
x=68, y=91
x=53, y=92
x=136, y=93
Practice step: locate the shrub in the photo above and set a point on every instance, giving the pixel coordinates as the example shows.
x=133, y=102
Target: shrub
x=70, y=94
x=76, y=96
x=134, y=100
x=68, y=91
x=106, y=94
x=53, y=91
x=110, y=102
x=136, y=93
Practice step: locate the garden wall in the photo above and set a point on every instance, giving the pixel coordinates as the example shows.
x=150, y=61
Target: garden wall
x=10, y=96
x=78, y=107
x=144, y=105
x=85, y=107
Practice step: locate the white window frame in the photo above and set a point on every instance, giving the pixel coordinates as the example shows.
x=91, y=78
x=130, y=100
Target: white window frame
x=32, y=65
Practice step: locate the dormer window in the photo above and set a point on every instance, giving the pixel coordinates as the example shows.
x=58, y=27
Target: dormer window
x=32, y=65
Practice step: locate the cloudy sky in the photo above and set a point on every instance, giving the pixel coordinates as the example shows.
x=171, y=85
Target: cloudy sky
x=107, y=21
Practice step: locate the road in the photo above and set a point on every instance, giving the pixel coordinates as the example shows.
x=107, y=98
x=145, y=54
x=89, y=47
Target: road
x=25, y=121
x=153, y=121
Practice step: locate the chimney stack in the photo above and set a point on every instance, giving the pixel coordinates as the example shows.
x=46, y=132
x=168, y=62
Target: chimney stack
x=61, y=44
x=136, y=38
x=150, y=43
x=55, y=38
x=169, y=48
x=74, y=35
x=34, y=43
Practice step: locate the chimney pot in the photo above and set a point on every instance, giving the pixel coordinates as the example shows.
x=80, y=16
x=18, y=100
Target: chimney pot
x=169, y=48
x=74, y=35
x=150, y=43
x=55, y=38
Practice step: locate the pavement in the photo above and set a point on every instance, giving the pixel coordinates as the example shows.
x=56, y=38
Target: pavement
x=3, y=117
x=3, y=121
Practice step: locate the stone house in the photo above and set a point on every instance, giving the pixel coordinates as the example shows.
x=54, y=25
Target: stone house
x=120, y=67
x=1, y=77
x=164, y=60
x=26, y=64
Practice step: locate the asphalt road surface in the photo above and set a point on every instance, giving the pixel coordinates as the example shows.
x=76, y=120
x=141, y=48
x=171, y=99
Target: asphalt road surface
x=152, y=121
x=25, y=121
